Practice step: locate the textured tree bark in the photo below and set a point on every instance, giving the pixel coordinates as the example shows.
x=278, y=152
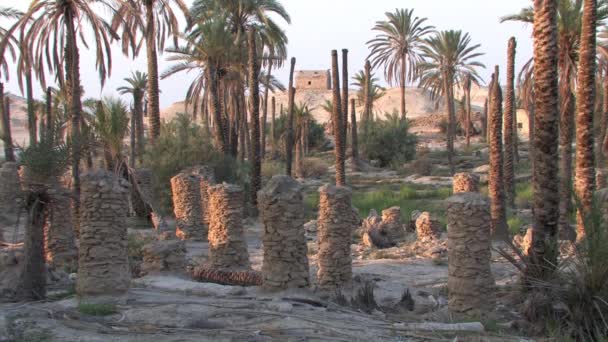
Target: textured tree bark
x=367, y=106
x=353, y=132
x=484, y=121
x=449, y=98
x=254, y=100
x=344, y=101
x=214, y=106
x=9, y=154
x=153, y=89
x=34, y=272
x=290, y=104
x=338, y=120
x=31, y=114
x=272, y=118
x=566, y=133
x=467, y=95
x=604, y=121
x=403, y=78
x=138, y=125
x=509, y=131
x=546, y=196
x=496, y=177
x=584, y=184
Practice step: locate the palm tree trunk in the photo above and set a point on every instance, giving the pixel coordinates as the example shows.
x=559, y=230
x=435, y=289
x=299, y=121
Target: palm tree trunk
x=403, y=77
x=338, y=120
x=496, y=179
x=585, y=102
x=31, y=114
x=546, y=197
x=33, y=282
x=299, y=169
x=265, y=114
x=353, y=132
x=242, y=134
x=132, y=139
x=75, y=106
x=49, y=117
x=509, y=132
x=484, y=120
x=139, y=125
x=467, y=95
x=566, y=133
x=603, y=122
x=254, y=96
x=5, y=121
x=344, y=101
x=290, y=110
x=272, y=118
x=214, y=104
x=367, y=106
x=449, y=97
x=153, y=88
x=489, y=113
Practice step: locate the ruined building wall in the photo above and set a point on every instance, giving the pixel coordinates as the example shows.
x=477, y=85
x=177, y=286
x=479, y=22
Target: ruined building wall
x=285, y=262
x=103, y=265
x=313, y=79
x=185, y=188
x=227, y=245
x=59, y=245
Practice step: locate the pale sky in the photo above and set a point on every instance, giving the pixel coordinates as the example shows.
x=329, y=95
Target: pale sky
x=318, y=26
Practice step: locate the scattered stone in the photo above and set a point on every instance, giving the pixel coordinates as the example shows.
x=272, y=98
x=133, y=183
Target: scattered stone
x=164, y=256
x=285, y=263
x=471, y=285
x=427, y=227
x=337, y=220
x=59, y=245
x=185, y=188
x=465, y=182
x=383, y=232
x=391, y=224
x=103, y=265
x=227, y=245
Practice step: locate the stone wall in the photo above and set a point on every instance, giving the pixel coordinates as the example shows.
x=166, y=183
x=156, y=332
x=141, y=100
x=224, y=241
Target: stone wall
x=337, y=220
x=164, y=256
x=185, y=188
x=59, y=245
x=227, y=245
x=207, y=179
x=470, y=282
x=465, y=182
x=103, y=265
x=285, y=262
x=313, y=79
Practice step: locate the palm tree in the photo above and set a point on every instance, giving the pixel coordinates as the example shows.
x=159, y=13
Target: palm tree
x=376, y=91
x=5, y=121
x=136, y=87
x=397, y=46
x=302, y=114
x=569, y=23
x=585, y=102
x=269, y=83
x=344, y=104
x=47, y=25
x=546, y=196
x=509, y=130
x=290, y=114
x=328, y=107
x=7, y=38
x=449, y=57
x=337, y=120
x=353, y=132
x=111, y=126
x=496, y=179
x=254, y=100
x=156, y=21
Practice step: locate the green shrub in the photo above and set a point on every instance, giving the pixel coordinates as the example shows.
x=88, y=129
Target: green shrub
x=524, y=195
x=314, y=168
x=183, y=144
x=389, y=141
x=97, y=309
x=514, y=224
x=316, y=135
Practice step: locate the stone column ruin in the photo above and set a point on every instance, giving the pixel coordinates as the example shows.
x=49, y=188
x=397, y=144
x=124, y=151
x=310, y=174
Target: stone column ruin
x=285, y=262
x=206, y=179
x=59, y=245
x=227, y=245
x=391, y=222
x=337, y=220
x=185, y=188
x=103, y=265
x=470, y=282
x=465, y=182
x=427, y=227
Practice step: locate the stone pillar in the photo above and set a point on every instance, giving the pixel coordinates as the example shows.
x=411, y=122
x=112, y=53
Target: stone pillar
x=285, y=262
x=59, y=245
x=164, y=256
x=227, y=245
x=391, y=224
x=187, y=206
x=207, y=179
x=427, y=227
x=10, y=193
x=103, y=265
x=337, y=220
x=465, y=182
x=470, y=282
x=142, y=192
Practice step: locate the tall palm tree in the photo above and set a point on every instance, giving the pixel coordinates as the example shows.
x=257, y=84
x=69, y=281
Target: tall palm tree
x=136, y=87
x=353, y=132
x=546, y=106
x=376, y=91
x=269, y=83
x=50, y=31
x=7, y=38
x=449, y=57
x=155, y=21
x=290, y=115
x=585, y=102
x=496, y=184
x=568, y=20
x=302, y=116
x=111, y=126
x=254, y=100
x=344, y=105
x=397, y=46
x=337, y=120
x=509, y=129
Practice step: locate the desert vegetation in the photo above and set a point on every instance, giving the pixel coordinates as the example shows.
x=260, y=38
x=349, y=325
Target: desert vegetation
x=327, y=205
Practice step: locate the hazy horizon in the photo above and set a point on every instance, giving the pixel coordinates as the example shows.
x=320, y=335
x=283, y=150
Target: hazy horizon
x=320, y=26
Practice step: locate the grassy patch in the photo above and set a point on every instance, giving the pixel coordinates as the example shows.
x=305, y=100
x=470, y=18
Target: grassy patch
x=97, y=309
x=514, y=224
x=524, y=194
